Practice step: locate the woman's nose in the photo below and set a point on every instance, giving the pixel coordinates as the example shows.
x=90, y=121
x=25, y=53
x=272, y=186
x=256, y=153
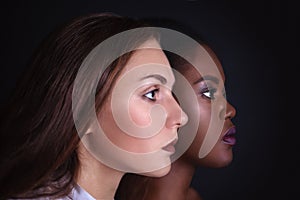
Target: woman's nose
x=176, y=116
x=226, y=110
x=230, y=111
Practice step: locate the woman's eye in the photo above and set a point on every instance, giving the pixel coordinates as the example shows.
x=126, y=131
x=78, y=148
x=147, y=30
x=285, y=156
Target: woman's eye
x=209, y=93
x=152, y=95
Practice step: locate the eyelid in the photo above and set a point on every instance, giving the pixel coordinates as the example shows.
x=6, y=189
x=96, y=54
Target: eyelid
x=150, y=88
x=207, y=85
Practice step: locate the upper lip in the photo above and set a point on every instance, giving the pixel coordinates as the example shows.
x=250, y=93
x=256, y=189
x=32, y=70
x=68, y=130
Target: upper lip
x=172, y=142
x=230, y=131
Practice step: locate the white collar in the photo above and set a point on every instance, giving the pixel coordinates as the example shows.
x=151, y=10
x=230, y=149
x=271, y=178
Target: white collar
x=79, y=193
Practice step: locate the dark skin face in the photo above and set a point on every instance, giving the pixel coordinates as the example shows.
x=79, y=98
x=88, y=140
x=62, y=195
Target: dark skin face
x=207, y=92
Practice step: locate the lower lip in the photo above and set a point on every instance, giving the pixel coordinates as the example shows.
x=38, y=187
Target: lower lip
x=169, y=148
x=231, y=140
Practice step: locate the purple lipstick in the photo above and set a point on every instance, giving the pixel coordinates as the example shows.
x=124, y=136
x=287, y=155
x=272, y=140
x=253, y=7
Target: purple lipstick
x=229, y=137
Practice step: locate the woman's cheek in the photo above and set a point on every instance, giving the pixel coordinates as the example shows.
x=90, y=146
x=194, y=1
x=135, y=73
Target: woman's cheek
x=139, y=112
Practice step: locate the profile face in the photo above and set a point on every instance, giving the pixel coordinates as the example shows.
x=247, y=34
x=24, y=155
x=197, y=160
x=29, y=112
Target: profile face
x=141, y=116
x=209, y=89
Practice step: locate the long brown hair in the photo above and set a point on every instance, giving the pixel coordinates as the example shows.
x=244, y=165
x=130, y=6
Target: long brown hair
x=38, y=135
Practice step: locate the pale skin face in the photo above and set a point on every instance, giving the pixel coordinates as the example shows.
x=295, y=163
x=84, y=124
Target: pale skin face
x=146, y=81
x=142, y=97
x=208, y=89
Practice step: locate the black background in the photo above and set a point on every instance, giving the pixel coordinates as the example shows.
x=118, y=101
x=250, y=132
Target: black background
x=248, y=36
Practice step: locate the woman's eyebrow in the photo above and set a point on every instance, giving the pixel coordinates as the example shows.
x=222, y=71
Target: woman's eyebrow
x=208, y=77
x=162, y=79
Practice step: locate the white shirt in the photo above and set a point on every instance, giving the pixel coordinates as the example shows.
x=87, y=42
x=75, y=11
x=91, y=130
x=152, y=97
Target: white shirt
x=78, y=193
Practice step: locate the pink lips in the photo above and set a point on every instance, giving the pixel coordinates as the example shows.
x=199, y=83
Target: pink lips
x=171, y=146
x=229, y=137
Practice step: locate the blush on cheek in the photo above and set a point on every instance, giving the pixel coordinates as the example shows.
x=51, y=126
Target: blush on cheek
x=140, y=115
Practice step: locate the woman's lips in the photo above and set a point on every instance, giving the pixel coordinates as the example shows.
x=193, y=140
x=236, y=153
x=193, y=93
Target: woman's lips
x=171, y=146
x=229, y=137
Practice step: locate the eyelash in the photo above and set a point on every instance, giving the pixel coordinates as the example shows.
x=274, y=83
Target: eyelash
x=153, y=93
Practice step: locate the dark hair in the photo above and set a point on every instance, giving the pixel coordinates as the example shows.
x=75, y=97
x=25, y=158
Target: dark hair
x=177, y=62
x=39, y=138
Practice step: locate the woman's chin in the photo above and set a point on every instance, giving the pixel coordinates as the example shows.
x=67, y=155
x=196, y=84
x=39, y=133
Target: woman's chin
x=216, y=161
x=158, y=173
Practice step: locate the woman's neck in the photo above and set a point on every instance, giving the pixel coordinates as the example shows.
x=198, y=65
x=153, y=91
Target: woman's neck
x=179, y=179
x=99, y=180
